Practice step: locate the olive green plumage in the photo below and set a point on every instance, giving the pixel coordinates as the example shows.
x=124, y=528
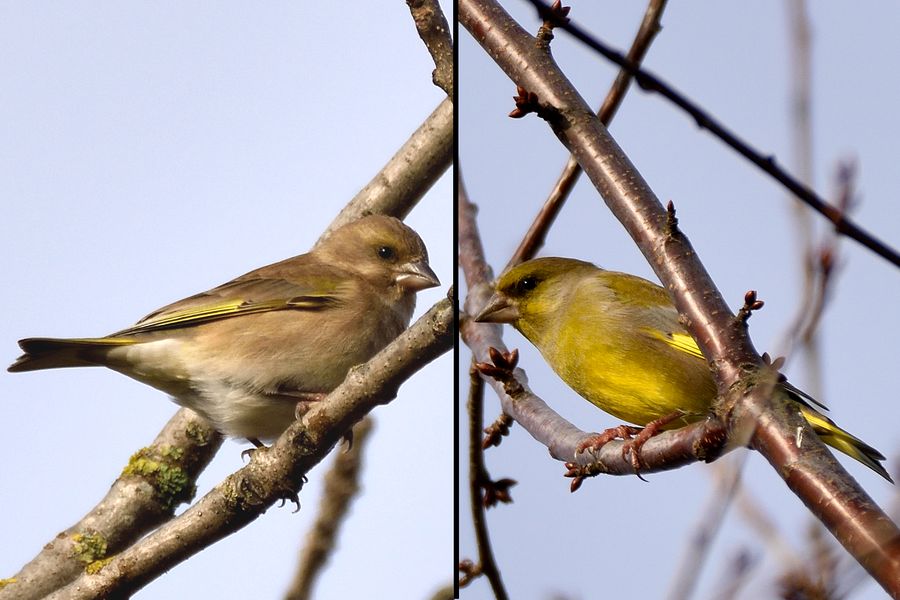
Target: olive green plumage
x=616, y=340
x=244, y=353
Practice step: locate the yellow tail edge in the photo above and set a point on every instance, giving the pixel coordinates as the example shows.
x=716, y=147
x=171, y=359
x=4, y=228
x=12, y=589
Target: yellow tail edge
x=845, y=442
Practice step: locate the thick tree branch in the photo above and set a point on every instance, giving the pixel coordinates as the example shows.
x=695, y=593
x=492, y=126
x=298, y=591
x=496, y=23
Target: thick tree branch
x=157, y=479
x=543, y=423
x=766, y=419
x=537, y=233
x=394, y=190
x=273, y=473
x=669, y=450
x=411, y=172
x=651, y=83
x=135, y=504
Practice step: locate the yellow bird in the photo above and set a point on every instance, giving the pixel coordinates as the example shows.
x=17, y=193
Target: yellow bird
x=243, y=354
x=615, y=339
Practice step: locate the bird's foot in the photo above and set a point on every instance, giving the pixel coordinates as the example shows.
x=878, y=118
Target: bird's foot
x=598, y=440
x=291, y=495
x=635, y=444
x=248, y=453
x=305, y=401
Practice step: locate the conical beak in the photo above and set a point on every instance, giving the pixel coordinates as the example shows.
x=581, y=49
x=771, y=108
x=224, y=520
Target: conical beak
x=417, y=276
x=499, y=309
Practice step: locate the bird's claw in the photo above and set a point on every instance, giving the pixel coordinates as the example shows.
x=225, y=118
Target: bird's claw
x=248, y=453
x=635, y=444
x=634, y=439
x=348, y=437
x=596, y=441
x=305, y=401
x=291, y=495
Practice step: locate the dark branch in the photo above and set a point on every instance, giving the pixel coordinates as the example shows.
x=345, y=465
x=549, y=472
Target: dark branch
x=537, y=233
x=755, y=410
x=651, y=83
x=487, y=564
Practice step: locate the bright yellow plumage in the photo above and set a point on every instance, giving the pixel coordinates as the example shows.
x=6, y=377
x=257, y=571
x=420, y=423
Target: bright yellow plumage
x=616, y=340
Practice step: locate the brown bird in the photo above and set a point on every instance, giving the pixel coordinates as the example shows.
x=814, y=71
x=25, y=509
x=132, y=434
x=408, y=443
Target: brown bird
x=244, y=354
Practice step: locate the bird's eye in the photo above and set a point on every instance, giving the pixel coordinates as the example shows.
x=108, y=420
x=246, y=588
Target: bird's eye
x=528, y=284
x=386, y=252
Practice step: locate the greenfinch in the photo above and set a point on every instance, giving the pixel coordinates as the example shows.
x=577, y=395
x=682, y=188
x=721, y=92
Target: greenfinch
x=616, y=340
x=243, y=354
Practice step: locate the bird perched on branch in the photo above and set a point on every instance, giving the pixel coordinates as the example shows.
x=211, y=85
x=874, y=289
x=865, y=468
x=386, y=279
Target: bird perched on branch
x=616, y=340
x=244, y=354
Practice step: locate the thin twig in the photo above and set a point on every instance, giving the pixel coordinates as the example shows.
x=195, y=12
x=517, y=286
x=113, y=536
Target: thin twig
x=800, y=118
x=394, y=190
x=432, y=27
x=651, y=83
x=822, y=262
x=477, y=476
x=709, y=522
x=537, y=233
x=736, y=575
x=800, y=112
x=668, y=450
x=341, y=485
x=801, y=139
x=758, y=412
x=829, y=252
x=750, y=510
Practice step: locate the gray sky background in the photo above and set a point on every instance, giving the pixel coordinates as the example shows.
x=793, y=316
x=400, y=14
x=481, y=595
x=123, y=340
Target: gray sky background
x=149, y=151
x=621, y=535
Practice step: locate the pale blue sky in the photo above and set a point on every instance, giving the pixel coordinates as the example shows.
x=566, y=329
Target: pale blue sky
x=149, y=151
x=622, y=533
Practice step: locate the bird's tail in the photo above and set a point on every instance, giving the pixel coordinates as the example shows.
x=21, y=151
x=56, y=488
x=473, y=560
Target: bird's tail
x=55, y=353
x=847, y=443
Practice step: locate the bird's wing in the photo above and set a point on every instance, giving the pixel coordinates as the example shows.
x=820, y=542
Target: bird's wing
x=680, y=341
x=243, y=296
x=685, y=343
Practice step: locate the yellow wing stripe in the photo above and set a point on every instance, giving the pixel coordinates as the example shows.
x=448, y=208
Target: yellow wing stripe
x=680, y=341
x=826, y=429
x=212, y=312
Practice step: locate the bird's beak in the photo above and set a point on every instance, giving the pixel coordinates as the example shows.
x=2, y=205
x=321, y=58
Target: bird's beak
x=499, y=309
x=417, y=276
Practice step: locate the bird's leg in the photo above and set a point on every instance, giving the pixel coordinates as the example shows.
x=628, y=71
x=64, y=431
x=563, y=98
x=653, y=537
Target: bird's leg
x=634, y=437
x=652, y=428
x=304, y=403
